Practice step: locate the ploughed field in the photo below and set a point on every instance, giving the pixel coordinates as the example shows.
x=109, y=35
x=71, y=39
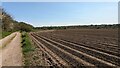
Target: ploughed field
x=79, y=47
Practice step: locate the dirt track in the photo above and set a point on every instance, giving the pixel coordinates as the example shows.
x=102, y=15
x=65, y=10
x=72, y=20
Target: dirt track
x=11, y=54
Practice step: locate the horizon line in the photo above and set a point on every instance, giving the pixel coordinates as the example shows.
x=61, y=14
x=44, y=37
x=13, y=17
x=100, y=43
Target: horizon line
x=75, y=25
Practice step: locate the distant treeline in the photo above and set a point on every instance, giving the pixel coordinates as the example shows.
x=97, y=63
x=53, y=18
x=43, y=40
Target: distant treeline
x=11, y=25
x=104, y=26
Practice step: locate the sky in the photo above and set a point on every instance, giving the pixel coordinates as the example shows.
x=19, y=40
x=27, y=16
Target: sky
x=60, y=0
x=63, y=13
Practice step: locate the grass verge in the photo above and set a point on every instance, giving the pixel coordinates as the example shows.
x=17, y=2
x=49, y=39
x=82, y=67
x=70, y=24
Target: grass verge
x=26, y=46
x=7, y=42
x=4, y=34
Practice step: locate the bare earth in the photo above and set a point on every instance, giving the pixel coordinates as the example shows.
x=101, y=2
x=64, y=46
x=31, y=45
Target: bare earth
x=12, y=54
x=79, y=47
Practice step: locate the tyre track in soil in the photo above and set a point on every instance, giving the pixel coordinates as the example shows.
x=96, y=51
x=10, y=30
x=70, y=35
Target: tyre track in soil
x=88, y=58
x=102, y=46
x=102, y=55
x=56, y=60
x=94, y=47
x=68, y=57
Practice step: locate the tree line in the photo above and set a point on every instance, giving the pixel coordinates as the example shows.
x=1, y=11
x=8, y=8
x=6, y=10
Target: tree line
x=104, y=26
